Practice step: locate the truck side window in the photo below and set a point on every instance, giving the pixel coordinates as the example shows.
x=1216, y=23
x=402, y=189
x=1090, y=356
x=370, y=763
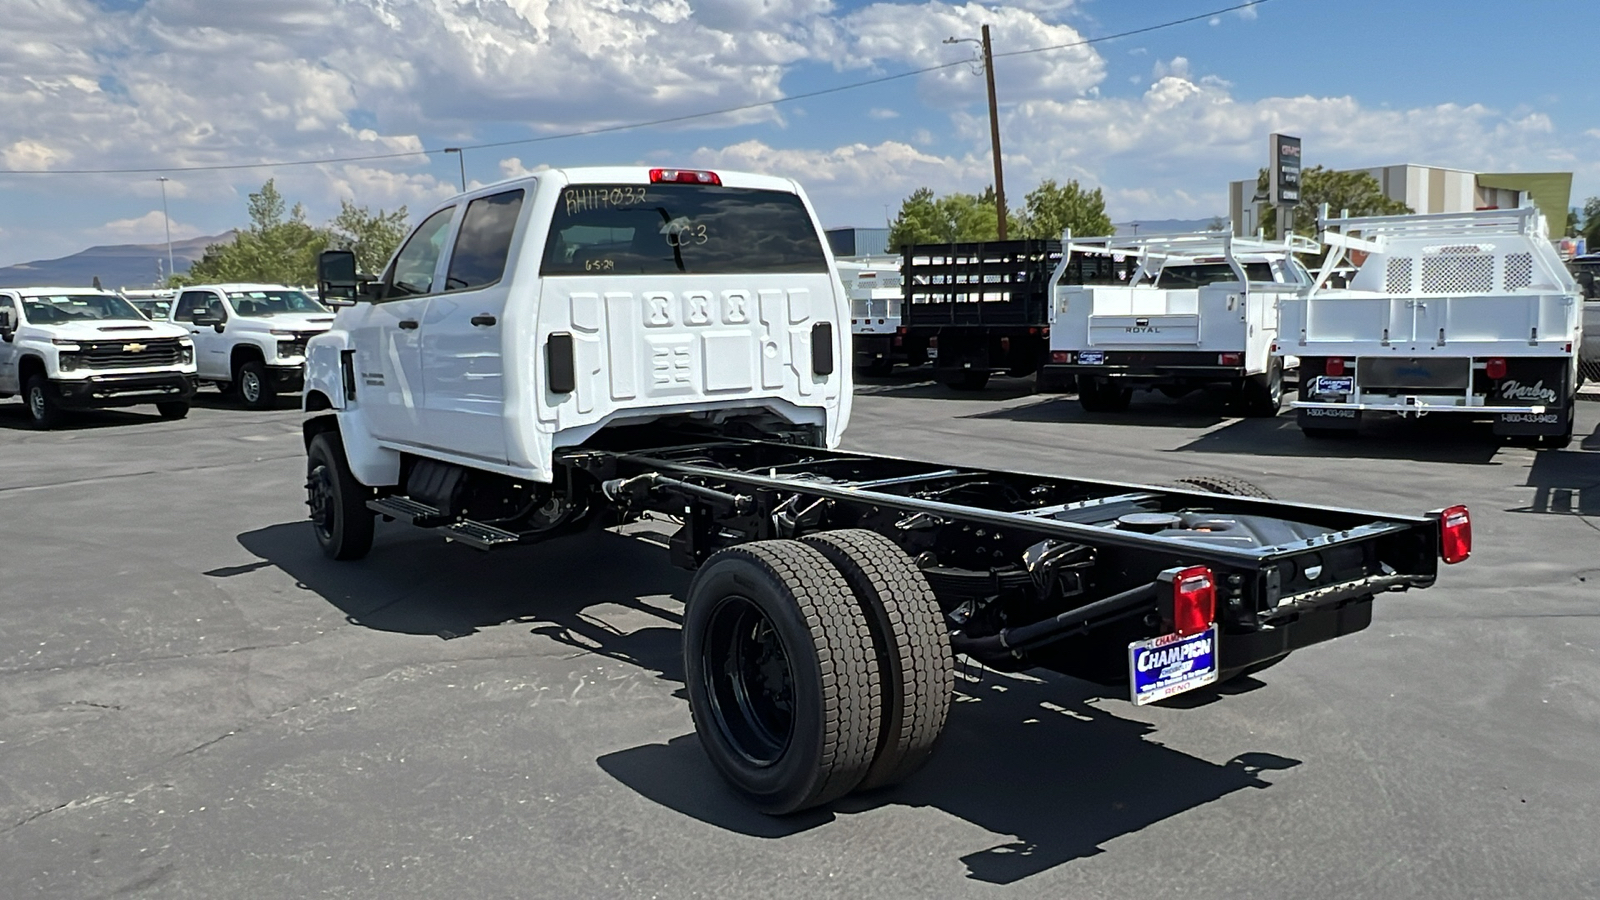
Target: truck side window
x=413, y=269
x=484, y=241
x=190, y=303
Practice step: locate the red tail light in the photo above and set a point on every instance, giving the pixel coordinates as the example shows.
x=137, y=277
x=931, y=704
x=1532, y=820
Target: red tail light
x=1334, y=366
x=683, y=176
x=1194, y=600
x=933, y=342
x=1455, y=534
x=1061, y=356
x=1495, y=367
x=1230, y=359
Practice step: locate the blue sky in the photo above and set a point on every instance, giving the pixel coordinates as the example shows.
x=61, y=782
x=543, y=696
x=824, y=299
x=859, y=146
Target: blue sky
x=1160, y=121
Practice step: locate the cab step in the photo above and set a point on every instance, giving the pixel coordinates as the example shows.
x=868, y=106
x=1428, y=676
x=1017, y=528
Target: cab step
x=473, y=534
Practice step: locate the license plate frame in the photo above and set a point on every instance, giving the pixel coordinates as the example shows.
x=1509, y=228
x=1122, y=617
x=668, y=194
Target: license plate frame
x=1091, y=357
x=1171, y=666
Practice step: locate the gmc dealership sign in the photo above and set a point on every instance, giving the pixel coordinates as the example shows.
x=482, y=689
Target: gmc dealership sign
x=1283, y=184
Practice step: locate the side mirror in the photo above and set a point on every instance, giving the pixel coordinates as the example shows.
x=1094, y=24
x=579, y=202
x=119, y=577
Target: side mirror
x=202, y=319
x=337, y=279
x=7, y=326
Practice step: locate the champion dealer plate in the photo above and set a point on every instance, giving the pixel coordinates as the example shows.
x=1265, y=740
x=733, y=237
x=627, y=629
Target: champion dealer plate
x=1163, y=667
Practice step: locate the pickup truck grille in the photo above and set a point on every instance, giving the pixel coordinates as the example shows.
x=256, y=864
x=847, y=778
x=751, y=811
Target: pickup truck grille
x=129, y=354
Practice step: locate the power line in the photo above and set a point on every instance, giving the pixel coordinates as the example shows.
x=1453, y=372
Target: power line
x=652, y=123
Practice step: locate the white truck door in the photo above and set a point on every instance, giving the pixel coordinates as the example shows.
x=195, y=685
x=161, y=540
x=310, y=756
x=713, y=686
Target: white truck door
x=462, y=361
x=8, y=349
x=210, y=348
x=388, y=337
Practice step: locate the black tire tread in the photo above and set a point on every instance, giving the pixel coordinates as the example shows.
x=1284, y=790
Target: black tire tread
x=916, y=666
x=360, y=524
x=842, y=641
x=1223, y=484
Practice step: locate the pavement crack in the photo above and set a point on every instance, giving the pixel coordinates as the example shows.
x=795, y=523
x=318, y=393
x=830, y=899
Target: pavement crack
x=99, y=664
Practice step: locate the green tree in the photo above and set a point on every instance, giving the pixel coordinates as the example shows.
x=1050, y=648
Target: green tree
x=926, y=219
x=372, y=236
x=1052, y=208
x=1357, y=192
x=1591, y=223
x=281, y=247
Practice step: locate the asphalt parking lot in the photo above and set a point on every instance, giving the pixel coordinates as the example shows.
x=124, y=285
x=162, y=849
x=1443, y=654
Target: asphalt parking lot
x=194, y=703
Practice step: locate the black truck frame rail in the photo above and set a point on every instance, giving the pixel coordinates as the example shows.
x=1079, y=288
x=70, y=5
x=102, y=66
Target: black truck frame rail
x=1036, y=570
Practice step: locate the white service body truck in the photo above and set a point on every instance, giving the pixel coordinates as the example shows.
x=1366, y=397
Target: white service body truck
x=81, y=348
x=591, y=345
x=1171, y=313
x=251, y=338
x=1459, y=313
x=873, y=285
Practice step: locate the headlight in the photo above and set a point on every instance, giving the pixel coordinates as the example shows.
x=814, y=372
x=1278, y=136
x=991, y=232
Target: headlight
x=185, y=353
x=67, y=362
x=65, y=345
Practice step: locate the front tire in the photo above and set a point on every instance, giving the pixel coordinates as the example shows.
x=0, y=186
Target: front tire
x=173, y=409
x=254, y=389
x=1261, y=395
x=915, y=665
x=339, y=515
x=782, y=680
x=44, y=413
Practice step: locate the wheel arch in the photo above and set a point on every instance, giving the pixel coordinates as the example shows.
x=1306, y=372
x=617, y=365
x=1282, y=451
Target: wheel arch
x=29, y=365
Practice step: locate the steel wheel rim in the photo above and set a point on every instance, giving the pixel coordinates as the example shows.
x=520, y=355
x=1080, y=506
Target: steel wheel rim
x=749, y=681
x=36, y=403
x=320, y=499
x=250, y=386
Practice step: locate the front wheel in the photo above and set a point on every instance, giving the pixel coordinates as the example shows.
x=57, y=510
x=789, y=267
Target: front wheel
x=1262, y=395
x=44, y=413
x=173, y=409
x=339, y=515
x=783, y=682
x=254, y=389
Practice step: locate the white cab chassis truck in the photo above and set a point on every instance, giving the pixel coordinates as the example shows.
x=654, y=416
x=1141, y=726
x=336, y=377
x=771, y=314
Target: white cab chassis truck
x=67, y=348
x=1457, y=313
x=587, y=346
x=873, y=285
x=1171, y=313
x=250, y=339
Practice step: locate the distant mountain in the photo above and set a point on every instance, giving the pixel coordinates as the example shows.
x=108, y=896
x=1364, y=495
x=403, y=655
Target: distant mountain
x=120, y=265
x=1166, y=226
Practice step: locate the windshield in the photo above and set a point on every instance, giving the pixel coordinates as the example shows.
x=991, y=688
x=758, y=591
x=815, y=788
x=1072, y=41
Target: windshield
x=260, y=304
x=56, y=309
x=1202, y=274
x=658, y=229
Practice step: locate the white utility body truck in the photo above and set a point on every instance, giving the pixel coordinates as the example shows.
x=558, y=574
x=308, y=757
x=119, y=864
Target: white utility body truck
x=1460, y=313
x=873, y=285
x=251, y=338
x=83, y=348
x=588, y=346
x=1171, y=313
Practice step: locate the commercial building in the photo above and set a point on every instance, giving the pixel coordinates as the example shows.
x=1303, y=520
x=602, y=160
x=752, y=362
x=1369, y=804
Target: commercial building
x=1436, y=189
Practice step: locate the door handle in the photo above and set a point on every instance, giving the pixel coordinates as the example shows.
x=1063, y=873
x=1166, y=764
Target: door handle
x=407, y=324
x=483, y=319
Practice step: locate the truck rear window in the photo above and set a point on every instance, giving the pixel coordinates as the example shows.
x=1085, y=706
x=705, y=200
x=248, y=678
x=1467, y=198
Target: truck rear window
x=664, y=229
x=1202, y=274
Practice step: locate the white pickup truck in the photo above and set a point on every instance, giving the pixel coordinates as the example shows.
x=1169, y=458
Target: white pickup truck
x=81, y=348
x=251, y=338
x=1455, y=313
x=873, y=285
x=1171, y=313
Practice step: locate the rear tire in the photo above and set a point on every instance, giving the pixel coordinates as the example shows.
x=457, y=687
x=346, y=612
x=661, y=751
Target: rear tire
x=338, y=502
x=1223, y=484
x=44, y=413
x=969, y=380
x=782, y=681
x=255, y=392
x=916, y=668
x=1261, y=396
x=1096, y=397
x=1563, y=440
x=173, y=409
x=1326, y=434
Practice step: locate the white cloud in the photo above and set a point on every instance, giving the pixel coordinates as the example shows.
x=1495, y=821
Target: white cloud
x=880, y=113
x=149, y=228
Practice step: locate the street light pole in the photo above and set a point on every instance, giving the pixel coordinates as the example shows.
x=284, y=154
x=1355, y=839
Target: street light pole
x=462, y=158
x=167, y=221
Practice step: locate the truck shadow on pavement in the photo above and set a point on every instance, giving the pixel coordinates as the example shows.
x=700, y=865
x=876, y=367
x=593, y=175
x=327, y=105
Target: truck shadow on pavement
x=1073, y=777
x=14, y=415
x=1443, y=439
x=921, y=386
x=1564, y=482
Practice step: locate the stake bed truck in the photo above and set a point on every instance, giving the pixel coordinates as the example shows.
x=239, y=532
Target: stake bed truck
x=589, y=346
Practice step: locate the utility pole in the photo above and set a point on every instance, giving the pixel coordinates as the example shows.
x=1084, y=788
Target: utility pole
x=994, y=134
x=462, y=158
x=167, y=220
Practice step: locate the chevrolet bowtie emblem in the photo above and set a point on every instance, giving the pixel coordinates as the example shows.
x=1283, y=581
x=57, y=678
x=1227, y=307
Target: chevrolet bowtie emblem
x=133, y=348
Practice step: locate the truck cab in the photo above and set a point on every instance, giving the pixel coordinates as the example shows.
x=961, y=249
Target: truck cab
x=251, y=338
x=579, y=306
x=67, y=348
x=1171, y=313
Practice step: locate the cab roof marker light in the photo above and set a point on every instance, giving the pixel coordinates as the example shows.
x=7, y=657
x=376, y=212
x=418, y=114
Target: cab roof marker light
x=684, y=176
x=1455, y=534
